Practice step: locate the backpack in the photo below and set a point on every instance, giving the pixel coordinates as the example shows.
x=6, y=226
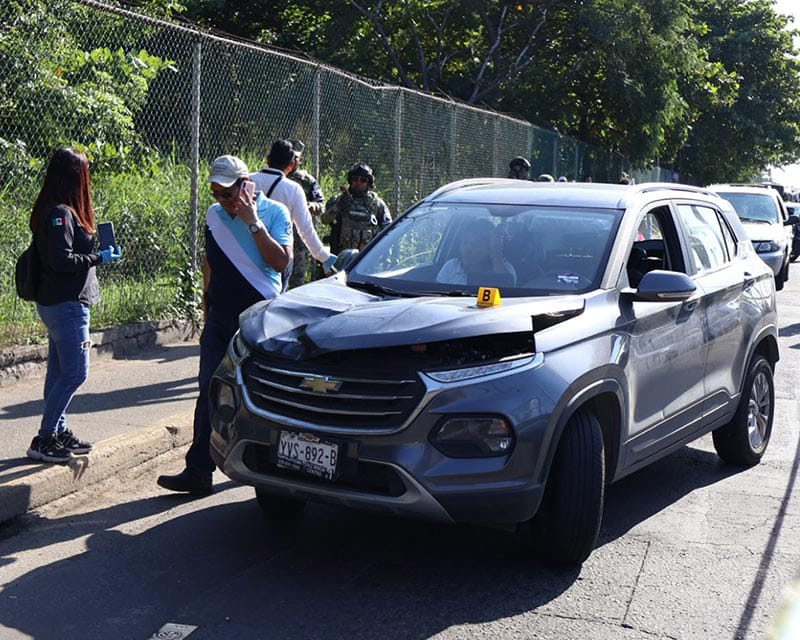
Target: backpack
x=27, y=273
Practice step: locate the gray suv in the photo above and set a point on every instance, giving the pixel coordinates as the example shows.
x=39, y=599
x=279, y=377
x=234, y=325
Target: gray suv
x=502, y=352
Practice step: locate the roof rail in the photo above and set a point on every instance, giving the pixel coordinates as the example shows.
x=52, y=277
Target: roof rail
x=646, y=187
x=466, y=182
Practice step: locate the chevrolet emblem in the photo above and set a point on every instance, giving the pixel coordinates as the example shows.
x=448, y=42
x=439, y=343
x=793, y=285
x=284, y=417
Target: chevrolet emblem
x=320, y=384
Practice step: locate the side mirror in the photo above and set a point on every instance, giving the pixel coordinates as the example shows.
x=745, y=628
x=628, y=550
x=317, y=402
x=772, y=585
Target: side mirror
x=344, y=259
x=664, y=286
x=792, y=220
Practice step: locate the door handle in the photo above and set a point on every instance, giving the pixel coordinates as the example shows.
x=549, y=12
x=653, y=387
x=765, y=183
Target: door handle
x=690, y=305
x=749, y=279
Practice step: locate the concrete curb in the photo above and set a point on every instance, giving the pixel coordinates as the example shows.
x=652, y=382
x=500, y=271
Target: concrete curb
x=18, y=363
x=109, y=457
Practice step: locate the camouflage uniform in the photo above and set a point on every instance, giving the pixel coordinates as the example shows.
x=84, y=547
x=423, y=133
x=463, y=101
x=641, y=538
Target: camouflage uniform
x=356, y=219
x=315, y=200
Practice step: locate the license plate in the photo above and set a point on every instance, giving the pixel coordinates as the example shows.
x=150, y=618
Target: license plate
x=307, y=453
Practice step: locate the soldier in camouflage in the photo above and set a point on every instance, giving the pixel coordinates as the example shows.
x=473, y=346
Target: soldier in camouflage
x=316, y=205
x=357, y=213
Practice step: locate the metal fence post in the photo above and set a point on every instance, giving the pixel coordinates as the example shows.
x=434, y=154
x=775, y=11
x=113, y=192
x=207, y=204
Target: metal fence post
x=398, y=150
x=195, y=159
x=315, y=116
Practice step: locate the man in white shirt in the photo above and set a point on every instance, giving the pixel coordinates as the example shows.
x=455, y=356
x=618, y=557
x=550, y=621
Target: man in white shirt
x=274, y=184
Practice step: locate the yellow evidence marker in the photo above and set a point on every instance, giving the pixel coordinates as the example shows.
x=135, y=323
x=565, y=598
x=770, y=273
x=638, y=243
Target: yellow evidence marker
x=489, y=297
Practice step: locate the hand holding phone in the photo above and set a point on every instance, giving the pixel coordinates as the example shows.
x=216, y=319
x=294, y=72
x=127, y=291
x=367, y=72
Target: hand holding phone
x=105, y=232
x=248, y=190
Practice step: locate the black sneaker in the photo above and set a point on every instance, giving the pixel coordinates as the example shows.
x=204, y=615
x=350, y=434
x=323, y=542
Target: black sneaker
x=48, y=450
x=71, y=443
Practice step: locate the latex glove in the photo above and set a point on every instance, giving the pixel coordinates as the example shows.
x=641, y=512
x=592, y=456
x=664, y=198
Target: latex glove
x=327, y=266
x=110, y=254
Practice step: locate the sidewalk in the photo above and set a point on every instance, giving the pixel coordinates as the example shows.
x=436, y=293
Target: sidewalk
x=132, y=409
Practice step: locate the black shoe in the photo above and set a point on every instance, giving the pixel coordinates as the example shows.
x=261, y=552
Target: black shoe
x=71, y=443
x=188, y=482
x=48, y=450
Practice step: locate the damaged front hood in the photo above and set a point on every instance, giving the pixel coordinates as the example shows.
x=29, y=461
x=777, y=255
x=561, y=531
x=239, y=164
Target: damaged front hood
x=328, y=316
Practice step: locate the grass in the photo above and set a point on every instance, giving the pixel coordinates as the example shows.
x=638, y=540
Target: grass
x=149, y=207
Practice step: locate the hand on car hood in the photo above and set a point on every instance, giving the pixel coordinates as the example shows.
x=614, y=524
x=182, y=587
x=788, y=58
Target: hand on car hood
x=327, y=316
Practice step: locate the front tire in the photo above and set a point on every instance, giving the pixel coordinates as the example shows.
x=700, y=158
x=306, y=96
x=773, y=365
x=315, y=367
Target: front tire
x=573, y=499
x=744, y=439
x=274, y=505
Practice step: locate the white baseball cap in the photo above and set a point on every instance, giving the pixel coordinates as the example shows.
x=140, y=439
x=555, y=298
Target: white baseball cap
x=226, y=170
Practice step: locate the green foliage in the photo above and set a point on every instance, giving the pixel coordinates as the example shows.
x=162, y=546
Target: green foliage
x=755, y=120
x=709, y=87
x=56, y=92
x=149, y=207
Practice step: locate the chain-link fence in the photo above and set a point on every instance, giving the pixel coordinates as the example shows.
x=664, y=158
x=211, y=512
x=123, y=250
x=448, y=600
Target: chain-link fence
x=153, y=102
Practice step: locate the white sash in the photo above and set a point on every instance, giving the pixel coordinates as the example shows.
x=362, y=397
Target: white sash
x=231, y=247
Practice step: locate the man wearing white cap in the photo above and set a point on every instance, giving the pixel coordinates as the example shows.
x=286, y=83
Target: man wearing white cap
x=248, y=245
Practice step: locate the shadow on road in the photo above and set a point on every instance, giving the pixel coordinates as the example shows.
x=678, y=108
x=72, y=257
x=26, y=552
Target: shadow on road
x=334, y=573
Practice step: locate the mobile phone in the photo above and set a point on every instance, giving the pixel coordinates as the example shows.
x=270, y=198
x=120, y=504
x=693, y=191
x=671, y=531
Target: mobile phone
x=105, y=231
x=248, y=190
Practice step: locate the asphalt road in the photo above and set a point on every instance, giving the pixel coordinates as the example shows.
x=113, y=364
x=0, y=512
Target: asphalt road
x=689, y=548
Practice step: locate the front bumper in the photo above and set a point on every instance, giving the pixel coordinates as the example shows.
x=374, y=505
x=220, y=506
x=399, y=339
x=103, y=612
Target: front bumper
x=399, y=472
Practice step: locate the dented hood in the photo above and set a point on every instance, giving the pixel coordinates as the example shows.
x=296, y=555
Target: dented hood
x=328, y=316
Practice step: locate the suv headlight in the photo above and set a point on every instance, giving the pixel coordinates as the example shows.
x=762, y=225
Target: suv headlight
x=238, y=349
x=766, y=246
x=473, y=437
x=482, y=370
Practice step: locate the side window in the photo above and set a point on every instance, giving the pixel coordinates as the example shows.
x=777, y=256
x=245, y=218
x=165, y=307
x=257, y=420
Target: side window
x=711, y=244
x=656, y=246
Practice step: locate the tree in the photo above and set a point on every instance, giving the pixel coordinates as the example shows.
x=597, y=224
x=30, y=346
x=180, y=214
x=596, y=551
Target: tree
x=758, y=121
x=54, y=91
x=655, y=80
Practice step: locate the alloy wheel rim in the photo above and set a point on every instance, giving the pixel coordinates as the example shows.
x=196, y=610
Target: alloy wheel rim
x=758, y=411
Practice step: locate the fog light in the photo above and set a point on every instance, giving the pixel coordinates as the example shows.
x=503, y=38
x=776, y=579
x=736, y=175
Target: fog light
x=224, y=400
x=476, y=437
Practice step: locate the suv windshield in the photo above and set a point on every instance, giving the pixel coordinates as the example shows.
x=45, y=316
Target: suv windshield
x=452, y=249
x=753, y=207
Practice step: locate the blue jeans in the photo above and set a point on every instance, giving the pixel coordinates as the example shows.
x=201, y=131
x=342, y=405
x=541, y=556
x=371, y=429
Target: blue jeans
x=217, y=332
x=67, y=361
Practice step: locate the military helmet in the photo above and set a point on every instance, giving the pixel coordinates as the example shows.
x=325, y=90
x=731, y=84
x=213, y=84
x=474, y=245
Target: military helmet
x=361, y=169
x=520, y=162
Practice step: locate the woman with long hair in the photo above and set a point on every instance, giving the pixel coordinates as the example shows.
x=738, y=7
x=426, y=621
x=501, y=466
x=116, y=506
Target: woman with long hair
x=62, y=221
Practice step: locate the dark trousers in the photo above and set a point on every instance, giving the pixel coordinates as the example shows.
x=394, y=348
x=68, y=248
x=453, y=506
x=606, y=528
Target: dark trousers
x=217, y=333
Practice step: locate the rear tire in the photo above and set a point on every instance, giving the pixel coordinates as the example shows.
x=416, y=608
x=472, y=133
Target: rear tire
x=573, y=499
x=744, y=439
x=279, y=506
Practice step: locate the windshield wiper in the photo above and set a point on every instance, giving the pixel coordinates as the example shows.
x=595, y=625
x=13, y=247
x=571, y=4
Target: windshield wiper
x=755, y=220
x=373, y=287
x=454, y=293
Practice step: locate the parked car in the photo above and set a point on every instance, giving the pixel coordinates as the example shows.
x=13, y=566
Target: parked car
x=793, y=208
x=609, y=326
x=766, y=219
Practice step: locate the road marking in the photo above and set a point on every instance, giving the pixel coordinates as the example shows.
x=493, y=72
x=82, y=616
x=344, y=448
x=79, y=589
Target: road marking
x=173, y=631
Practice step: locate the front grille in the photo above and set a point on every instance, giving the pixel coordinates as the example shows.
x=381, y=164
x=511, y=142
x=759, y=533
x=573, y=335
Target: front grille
x=367, y=477
x=333, y=395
